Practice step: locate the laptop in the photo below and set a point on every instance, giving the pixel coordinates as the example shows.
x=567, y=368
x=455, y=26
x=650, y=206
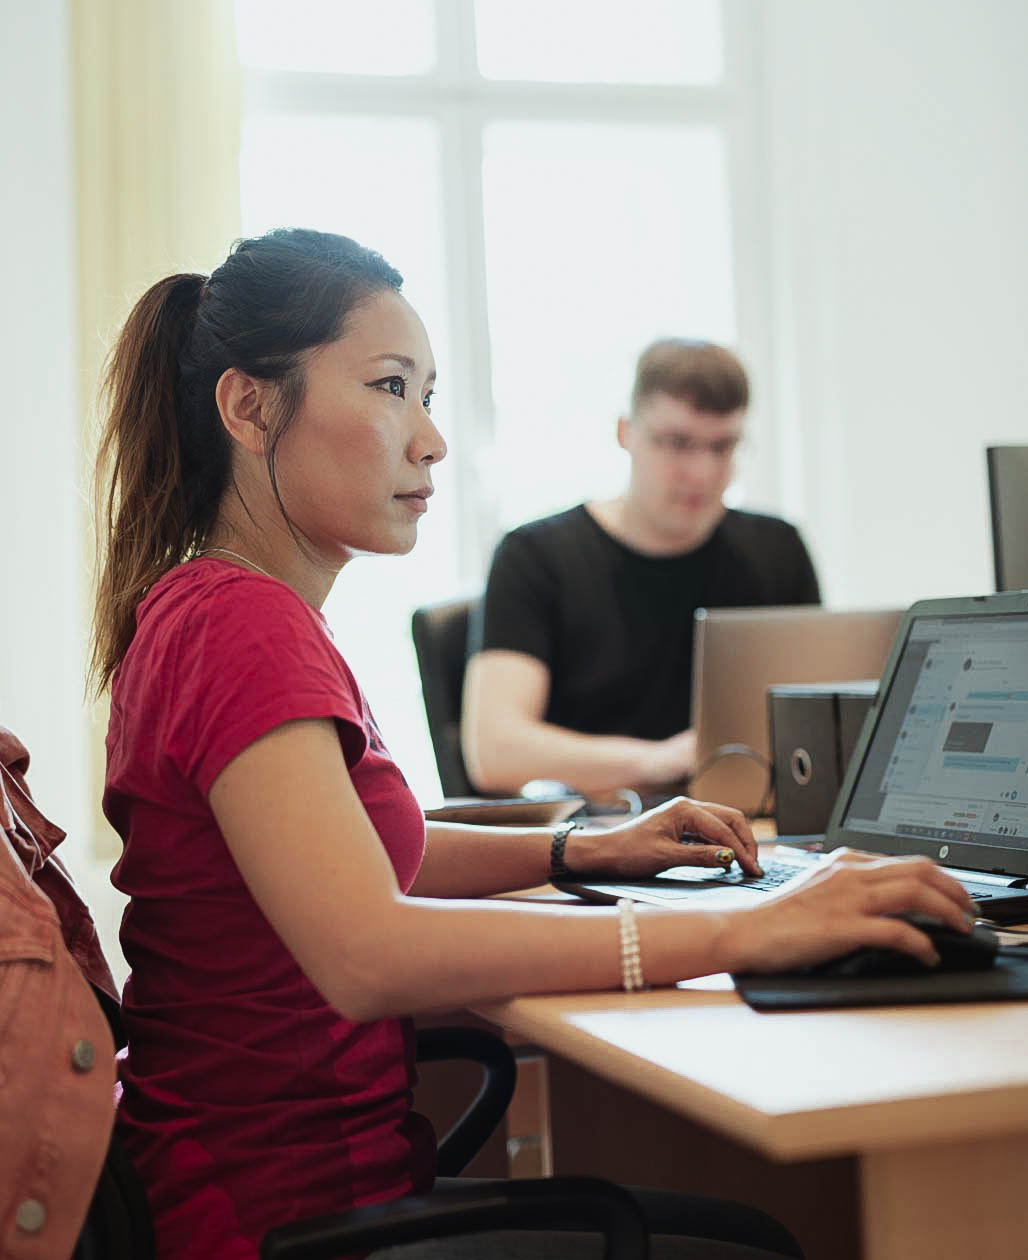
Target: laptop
x=940, y=769
x=737, y=654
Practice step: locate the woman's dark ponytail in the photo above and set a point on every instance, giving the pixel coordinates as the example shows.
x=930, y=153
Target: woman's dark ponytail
x=143, y=524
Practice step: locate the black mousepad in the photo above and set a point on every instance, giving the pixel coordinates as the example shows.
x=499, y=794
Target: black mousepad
x=1006, y=979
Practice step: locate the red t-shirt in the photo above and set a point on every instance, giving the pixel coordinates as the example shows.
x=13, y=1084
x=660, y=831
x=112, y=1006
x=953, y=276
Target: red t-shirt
x=248, y=1101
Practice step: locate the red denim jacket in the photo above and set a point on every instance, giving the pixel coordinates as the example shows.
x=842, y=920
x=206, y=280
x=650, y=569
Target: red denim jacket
x=57, y=1065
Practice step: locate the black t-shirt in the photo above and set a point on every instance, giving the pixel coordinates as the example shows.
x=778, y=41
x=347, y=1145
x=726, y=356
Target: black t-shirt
x=615, y=627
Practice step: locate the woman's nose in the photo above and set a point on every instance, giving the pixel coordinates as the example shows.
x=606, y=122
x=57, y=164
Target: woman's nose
x=431, y=445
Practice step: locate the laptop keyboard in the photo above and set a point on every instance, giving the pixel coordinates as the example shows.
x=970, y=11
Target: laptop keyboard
x=776, y=873
x=694, y=878
x=980, y=892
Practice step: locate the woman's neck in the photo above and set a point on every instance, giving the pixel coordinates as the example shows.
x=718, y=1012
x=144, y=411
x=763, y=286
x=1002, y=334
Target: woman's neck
x=275, y=552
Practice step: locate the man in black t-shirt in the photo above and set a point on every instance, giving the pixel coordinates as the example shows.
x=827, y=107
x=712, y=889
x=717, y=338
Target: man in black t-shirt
x=583, y=643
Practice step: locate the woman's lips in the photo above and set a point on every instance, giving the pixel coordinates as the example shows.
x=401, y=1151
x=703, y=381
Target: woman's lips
x=416, y=500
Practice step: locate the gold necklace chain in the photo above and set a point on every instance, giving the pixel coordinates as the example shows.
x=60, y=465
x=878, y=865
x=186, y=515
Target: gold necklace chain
x=207, y=551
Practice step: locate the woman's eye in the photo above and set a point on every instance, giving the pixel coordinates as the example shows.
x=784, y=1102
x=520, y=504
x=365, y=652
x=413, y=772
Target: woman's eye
x=427, y=401
x=397, y=386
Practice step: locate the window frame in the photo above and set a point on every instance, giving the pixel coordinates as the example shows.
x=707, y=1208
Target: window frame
x=462, y=102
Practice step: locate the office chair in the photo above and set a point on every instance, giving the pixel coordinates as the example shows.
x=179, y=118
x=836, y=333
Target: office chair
x=118, y=1225
x=440, y=633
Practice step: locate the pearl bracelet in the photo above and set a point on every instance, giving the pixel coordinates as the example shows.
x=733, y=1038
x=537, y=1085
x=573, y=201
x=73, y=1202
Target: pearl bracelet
x=631, y=957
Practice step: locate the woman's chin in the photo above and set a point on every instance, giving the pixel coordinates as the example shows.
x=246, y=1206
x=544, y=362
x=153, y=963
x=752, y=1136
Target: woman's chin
x=395, y=545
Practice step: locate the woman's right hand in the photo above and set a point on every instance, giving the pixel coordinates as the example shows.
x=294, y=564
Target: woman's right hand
x=847, y=901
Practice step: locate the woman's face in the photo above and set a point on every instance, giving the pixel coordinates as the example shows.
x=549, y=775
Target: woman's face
x=354, y=467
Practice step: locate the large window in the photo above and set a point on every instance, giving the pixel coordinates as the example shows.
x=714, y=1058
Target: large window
x=558, y=184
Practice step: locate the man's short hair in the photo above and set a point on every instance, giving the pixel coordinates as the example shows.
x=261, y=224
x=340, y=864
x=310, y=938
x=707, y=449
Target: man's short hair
x=708, y=377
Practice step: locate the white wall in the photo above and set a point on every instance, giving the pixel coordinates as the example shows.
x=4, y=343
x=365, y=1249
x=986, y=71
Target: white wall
x=42, y=621
x=898, y=193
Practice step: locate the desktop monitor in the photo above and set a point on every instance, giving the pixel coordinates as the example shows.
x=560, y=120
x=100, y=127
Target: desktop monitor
x=1008, y=498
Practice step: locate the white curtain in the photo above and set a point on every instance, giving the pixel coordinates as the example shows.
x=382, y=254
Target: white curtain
x=156, y=90
x=156, y=96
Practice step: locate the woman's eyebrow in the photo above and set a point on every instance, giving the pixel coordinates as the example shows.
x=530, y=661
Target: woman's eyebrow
x=404, y=360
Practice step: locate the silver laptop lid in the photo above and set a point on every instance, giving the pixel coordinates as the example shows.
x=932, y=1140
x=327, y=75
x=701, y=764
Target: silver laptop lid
x=738, y=653
x=941, y=767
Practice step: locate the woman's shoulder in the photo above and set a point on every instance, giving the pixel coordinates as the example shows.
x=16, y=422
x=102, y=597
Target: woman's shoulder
x=209, y=588
x=208, y=608
x=220, y=657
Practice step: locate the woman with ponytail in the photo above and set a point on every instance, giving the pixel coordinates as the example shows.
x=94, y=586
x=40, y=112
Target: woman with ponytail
x=288, y=913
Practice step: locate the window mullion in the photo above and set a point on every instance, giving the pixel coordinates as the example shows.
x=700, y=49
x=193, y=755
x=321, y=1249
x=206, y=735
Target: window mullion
x=450, y=39
x=747, y=185
x=463, y=103
x=270, y=91
x=464, y=252
x=465, y=50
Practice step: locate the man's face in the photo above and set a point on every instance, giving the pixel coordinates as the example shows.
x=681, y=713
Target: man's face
x=682, y=462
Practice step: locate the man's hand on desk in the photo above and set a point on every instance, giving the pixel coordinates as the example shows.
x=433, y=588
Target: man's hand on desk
x=670, y=760
x=680, y=832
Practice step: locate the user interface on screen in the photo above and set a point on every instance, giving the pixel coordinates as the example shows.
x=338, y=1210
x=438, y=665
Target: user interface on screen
x=949, y=757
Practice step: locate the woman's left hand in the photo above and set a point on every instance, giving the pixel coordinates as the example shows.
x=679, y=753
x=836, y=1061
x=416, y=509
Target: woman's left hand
x=681, y=832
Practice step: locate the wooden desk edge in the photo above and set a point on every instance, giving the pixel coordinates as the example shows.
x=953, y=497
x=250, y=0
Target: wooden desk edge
x=885, y=1125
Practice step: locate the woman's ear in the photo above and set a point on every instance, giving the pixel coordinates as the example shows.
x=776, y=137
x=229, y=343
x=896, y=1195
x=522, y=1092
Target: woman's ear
x=242, y=402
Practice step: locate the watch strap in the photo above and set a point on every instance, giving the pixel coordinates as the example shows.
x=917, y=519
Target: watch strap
x=558, y=867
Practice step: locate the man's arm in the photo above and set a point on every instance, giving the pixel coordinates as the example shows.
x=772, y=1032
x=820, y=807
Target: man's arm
x=507, y=742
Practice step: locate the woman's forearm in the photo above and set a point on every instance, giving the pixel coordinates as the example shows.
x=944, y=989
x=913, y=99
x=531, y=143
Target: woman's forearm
x=463, y=861
x=438, y=955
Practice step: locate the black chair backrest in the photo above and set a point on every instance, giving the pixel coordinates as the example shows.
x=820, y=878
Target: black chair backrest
x=440, y=634
x=118, y=1225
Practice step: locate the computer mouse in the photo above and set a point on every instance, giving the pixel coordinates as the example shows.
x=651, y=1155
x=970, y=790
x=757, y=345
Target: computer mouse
x=958, y=951
x=545, y=790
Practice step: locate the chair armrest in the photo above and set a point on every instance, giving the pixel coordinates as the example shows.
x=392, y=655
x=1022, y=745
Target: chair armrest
x=578, y=1202
x=473, y=1127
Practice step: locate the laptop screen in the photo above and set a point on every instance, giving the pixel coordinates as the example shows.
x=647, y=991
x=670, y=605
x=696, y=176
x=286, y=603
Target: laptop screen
x=947, y=764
